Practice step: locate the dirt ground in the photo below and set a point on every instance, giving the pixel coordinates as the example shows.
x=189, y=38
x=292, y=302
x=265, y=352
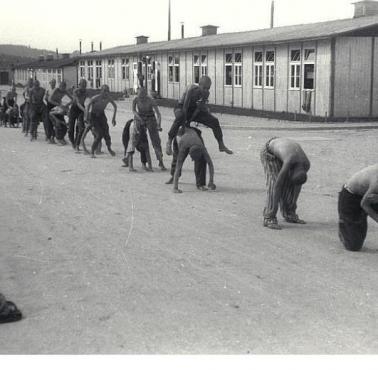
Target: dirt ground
x=102, y=261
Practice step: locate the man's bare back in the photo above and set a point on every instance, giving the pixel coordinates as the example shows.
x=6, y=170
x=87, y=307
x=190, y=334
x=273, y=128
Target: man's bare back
x=288, y=150
x=364, y=181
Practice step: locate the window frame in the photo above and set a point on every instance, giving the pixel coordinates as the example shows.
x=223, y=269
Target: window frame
x=238, y=70
x=296, y=66
x=173, y=69
x=306, y=62
x=258, y=70
x=270, y=70
x=111, y=69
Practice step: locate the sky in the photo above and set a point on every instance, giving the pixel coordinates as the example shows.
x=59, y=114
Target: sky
x=45, y=24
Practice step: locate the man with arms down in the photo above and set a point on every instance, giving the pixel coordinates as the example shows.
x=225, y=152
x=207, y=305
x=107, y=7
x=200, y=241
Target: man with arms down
x=285, y=166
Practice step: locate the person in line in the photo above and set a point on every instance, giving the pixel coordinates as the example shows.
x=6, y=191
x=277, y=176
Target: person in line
x=48, y=123
x=358, y=199
x=57, y=116
x=139, y=140
x=76, y=115
x=285, y=166
x=145, y=109
x=37, y=108
x=96, y=118
x=185, y=109
x=26, y=107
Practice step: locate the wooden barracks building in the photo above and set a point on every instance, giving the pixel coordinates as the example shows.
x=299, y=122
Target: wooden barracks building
x=328, y=69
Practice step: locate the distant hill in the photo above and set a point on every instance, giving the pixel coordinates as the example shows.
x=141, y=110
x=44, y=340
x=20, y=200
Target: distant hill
x=23, y=51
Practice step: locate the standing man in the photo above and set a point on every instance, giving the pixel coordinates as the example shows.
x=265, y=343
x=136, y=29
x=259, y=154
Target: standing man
x=185, y=109
x=97, y=118
x=56, y=100
x=37, y=108
x=26, y=107
x=48, y=124
x=285, y=166
x=145, y=109
x=357, y=200
x=76, y=115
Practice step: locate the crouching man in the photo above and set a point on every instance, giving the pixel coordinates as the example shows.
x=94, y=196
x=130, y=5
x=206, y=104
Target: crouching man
x=357, y=200
x=189, y=141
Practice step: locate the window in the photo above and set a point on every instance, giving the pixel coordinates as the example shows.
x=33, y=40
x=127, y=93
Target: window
x=228, y=69
x=173, y=69
x=196, y=69
x=98, y=69
x=150, y=72
x=82, y=69
x=269, y=69
x=295, y=69
x=111, y=70
x=199, y=67
x=125, y=69
x=238, y=69
x=258, y=67
x=309, y=69
x=233, y=69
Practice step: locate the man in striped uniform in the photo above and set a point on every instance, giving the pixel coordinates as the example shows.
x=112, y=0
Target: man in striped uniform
x=285, y=166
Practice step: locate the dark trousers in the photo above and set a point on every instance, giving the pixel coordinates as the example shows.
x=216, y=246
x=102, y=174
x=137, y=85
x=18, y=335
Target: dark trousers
x=100, y=131
x=48, y=124
x=60, y=127
x=75, y=132
x=26, y=117
x=205, y=118
x=37, y=114
x=352, y=221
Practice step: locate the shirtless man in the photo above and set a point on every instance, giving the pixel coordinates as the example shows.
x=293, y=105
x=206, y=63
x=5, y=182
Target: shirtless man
x=145, y=109
x=26, y=107
x=76, y=115
x=10, y=102
x=185, y=108
x=56, y=100
x=97, y=118
x=189, y=141
x=48, y=124
x=37, y=108
x=357, y=200
x=285, y=166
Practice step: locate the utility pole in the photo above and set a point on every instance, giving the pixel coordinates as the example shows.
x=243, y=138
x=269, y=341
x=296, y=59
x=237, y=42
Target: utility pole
x=169, y=20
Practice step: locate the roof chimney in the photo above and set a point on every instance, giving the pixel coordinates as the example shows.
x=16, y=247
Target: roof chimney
x=272, y=15
x=365, y=8
x=169, y=20
x=80, y=46
x=92, y=50
x=182, y=30
x=209, y=30
x=141, y=40
x=100, y=45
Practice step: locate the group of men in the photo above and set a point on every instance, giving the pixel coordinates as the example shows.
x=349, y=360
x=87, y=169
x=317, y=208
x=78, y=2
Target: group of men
x=48, y=106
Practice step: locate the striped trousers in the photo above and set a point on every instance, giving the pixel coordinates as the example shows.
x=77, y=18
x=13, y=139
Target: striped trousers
x=290, y=193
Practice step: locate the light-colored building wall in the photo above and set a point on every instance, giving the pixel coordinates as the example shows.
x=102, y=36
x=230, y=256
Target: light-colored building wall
x=353, y=66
